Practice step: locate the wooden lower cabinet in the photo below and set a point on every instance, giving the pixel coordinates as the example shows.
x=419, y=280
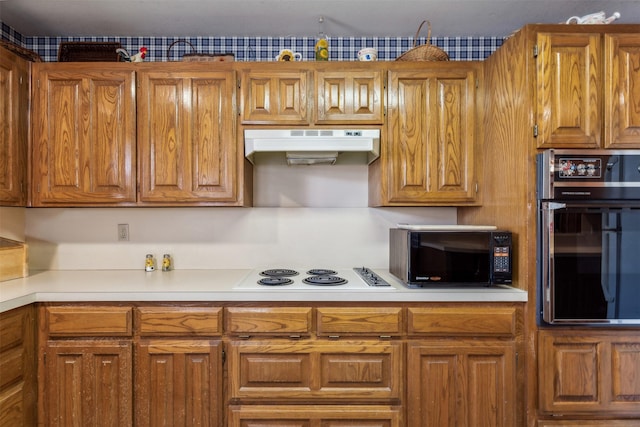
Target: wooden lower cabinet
x=588, y=423
x=178, y=383
x=18, y=367
x=461, y=383
x=88, y=383
x=299, y=371
x=592, y=372
x=287, y=365
x=314, y=416
x=86, y=365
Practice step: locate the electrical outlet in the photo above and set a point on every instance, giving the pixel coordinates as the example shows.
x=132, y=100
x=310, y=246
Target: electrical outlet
x=123, y=232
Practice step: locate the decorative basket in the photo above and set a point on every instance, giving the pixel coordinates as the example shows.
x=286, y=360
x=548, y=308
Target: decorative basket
x=194, y=56
x=88, y=52
x=425, y=52
x=20, y=51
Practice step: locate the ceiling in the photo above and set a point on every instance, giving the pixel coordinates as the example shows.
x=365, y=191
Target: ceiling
x=287, y=18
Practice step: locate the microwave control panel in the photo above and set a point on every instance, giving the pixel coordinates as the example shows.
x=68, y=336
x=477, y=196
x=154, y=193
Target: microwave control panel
x=502, y=258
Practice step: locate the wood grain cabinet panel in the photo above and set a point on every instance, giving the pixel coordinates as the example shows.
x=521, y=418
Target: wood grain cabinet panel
x=352, y=321
x=186, y=136
x=569, y=88
x=83, y=134
x=268, y=321
x=361, y=372
x=178, y=383
x=348, y=96
x=589, y=372
x=179, y=321
x=622, y=91
x=461, y=384
x=275, y=95
x=463, y=321
x=14, y=115
x=17, y=367
x=88, y=383
x=70, y=321
x=315, y=415
x=587, y=90
x=429, y=155
x=588, y=423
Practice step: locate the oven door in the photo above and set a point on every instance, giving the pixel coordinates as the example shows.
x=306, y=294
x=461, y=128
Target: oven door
x=590, y=263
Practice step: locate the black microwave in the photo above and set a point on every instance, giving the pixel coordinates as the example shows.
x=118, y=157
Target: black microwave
x=441, y=258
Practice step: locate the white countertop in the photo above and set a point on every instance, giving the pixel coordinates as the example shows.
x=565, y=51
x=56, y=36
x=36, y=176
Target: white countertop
x=213, y=285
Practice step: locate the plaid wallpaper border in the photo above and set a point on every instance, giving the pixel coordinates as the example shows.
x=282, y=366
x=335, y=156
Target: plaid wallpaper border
x=266, y=48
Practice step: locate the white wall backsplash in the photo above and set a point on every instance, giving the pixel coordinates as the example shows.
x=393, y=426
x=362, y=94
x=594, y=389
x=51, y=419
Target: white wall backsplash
x=342, y=185
x=12, y=223
x=303, y=216
x=213, y=238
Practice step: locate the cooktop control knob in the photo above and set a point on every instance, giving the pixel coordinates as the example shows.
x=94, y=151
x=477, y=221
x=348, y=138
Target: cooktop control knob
x=371, y=278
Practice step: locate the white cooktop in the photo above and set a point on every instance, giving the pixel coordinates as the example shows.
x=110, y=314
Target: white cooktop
x=354, y=281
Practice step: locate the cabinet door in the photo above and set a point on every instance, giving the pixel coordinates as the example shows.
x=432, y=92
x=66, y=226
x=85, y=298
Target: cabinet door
x=622, y=91
x=356, y=371
x=275, y=96
x=84, y=135
x=315, y=415
x=178, y=383
x=186, y=137
x=430, y=146
x=569, y=87
x=461, y=384
x=18, y=367
x=352, y=97
x=14, y=116
x=88, y=383
x=588, y=372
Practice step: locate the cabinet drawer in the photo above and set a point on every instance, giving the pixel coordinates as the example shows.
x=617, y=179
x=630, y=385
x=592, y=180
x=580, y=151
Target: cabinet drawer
x=588, y=423
x=192, y=321
x=315, y=415
x=13, y=325
x=355, y=371
x=274, y=321
x=89, y=320
x=380, y=321
x=493, y=321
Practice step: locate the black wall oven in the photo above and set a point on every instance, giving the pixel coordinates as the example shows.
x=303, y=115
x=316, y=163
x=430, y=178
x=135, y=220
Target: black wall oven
x=589, y=236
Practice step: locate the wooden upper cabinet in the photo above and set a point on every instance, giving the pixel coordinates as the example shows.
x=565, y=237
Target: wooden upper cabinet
x=14, y=116
x=569, y=88
x=428, y=157
x=622, y=91
x=272, y=95
x=588, y=89
x=312, y=93
x=83, y=134
x=186, y=136
x=349, y=96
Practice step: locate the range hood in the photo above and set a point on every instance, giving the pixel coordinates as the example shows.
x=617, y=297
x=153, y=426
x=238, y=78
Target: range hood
x=312, y=146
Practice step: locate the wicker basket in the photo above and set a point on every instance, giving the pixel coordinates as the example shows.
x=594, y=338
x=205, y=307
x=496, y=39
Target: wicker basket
x=425, y=52
x=20, y=51
x=193, y=56
x=89, y=52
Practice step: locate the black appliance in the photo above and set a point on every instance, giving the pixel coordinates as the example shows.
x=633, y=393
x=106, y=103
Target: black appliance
x=449, y=258
x=589, y=236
